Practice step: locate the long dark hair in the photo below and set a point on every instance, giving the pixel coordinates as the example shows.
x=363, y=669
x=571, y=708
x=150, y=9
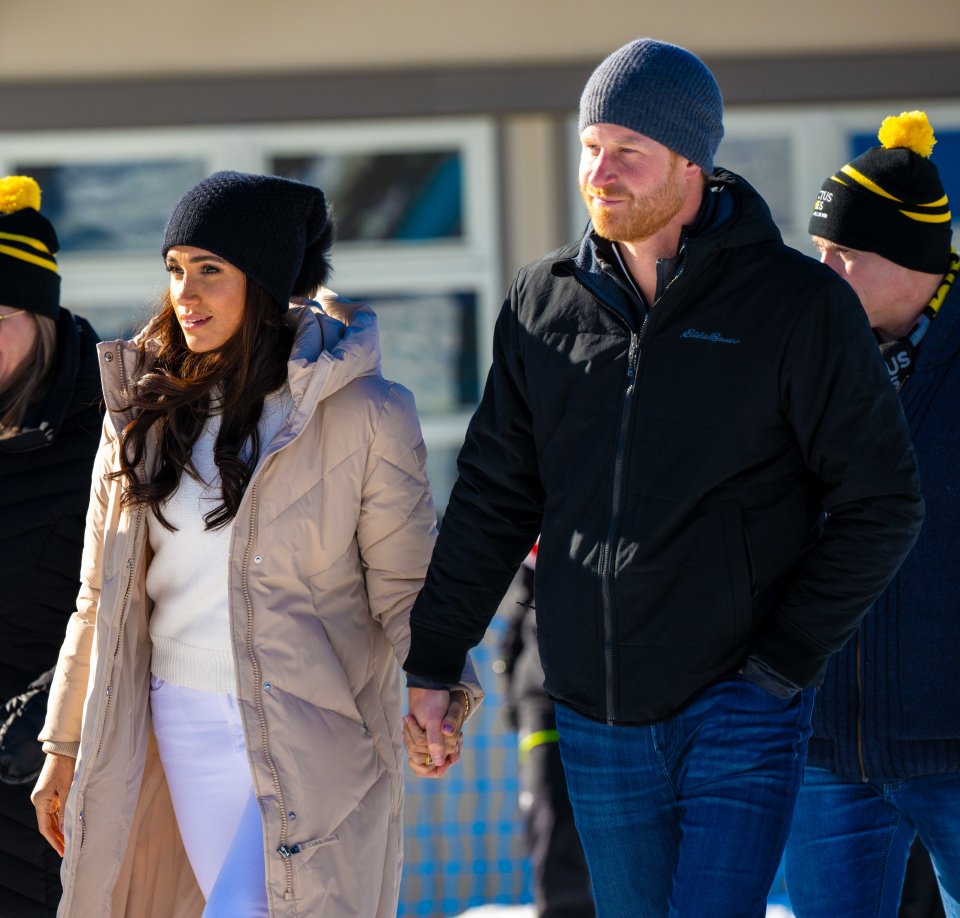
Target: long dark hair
x=182, y=388
x=31, y=380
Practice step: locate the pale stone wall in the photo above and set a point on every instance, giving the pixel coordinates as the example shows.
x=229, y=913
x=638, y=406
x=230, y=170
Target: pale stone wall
x=63, y=38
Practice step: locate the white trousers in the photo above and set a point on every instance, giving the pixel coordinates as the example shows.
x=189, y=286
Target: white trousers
x=204, y=756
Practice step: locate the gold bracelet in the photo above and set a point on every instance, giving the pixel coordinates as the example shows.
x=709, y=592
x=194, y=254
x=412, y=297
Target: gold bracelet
x=466, y=701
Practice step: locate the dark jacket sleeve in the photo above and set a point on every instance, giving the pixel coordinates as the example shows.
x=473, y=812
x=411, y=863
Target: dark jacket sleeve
x=492, y=519
x=850, y=427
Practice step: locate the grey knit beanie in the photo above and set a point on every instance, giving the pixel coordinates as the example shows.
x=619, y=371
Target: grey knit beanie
x=277, y=231
x=662, y=91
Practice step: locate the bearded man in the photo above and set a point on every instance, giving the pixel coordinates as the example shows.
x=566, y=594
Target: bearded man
x=695, y=420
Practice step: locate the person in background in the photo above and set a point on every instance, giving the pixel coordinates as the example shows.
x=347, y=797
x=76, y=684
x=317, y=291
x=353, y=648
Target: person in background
x=693, y=418
x=561, y=881
x=884, y=760
x=224, y=730
x=49, y=429
x=921, y=891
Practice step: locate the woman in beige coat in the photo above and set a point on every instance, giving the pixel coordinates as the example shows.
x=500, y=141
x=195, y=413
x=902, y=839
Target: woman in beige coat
x=260, y=523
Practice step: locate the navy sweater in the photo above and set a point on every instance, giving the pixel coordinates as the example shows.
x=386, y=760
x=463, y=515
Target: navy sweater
x=903, y=712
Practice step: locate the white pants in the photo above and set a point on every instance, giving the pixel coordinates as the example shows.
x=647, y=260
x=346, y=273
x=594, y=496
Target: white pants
x=204, y=756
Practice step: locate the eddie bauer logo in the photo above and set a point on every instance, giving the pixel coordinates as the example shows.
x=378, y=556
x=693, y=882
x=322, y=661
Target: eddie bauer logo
x=825, y=197
x=713, y=337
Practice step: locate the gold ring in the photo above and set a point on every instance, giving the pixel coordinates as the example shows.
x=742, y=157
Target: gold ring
x=429, y=760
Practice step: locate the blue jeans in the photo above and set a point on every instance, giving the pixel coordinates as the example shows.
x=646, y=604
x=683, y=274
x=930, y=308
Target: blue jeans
x=848, y=848
x=688, y=816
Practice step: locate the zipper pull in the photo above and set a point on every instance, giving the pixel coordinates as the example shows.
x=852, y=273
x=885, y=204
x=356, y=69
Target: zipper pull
x=287, y=852
x=631, y=356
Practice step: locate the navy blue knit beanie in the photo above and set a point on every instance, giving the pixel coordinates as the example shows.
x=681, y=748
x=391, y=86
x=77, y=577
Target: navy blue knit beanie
x=277, y=231
x=662, y=91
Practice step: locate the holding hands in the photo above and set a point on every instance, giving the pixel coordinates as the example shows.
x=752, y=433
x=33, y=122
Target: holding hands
x=433, y=729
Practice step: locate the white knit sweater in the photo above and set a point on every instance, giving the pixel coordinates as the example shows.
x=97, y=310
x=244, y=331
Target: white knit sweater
x=187, y=579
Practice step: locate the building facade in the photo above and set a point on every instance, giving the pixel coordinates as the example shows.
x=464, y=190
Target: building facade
x=445, y=138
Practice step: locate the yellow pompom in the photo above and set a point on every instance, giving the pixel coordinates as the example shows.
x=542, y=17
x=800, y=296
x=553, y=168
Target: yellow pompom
x=910, y=130
x=17, y=192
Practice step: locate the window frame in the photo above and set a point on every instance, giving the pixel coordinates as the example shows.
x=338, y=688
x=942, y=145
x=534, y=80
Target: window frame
x=95, y=281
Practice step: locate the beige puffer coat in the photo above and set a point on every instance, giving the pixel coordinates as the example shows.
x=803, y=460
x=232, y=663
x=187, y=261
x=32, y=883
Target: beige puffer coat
x=329, y=549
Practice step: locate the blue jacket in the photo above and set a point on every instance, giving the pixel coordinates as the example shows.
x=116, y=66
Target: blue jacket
x=894, y=689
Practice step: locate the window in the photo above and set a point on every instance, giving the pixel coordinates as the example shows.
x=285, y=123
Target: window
x=387, y=197
x=414, y=202
x=112, y=207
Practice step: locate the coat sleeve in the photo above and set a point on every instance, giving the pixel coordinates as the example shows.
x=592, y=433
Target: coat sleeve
x=493, y=517
x=850, y=427
x=397, y=525
x=61, y=730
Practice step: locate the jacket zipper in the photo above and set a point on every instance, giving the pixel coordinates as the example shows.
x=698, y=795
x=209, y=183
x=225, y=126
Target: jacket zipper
x=606, y=552
x=288, y=851
x=121, y=621
x=131, y=566
x=284, y=851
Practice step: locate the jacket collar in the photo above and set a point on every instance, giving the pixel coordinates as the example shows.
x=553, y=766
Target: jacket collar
x=942, y=340
x=732, y=215
x=336, y=341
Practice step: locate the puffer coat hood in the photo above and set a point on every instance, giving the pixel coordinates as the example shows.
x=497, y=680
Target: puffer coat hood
x=329, y=548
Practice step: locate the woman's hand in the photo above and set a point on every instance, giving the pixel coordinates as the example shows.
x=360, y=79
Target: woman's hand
x=415, y=738
x=50, y=797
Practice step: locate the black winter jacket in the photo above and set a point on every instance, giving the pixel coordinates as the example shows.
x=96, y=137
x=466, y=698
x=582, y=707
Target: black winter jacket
x=44, y=488
x=677, y=469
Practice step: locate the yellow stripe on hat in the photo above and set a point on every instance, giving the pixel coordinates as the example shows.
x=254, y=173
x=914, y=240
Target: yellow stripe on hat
x=833, y=178
x=29, y=257
x=35, y=243
x=927, y=218
x=870, y=185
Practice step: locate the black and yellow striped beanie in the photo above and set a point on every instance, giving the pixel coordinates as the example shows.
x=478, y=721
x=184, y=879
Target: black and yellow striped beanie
x=890, y=200
x=29, y=278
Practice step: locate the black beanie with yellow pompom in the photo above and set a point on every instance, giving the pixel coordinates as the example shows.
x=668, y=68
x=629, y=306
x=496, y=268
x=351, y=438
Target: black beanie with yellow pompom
x=890, y=200
x=29, y=278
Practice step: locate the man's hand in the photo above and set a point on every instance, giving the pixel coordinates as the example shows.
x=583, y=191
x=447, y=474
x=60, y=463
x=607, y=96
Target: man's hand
x=49, y=797
x=432, y=730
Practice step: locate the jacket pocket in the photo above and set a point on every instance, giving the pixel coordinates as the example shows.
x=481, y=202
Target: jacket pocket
x=739, y=565
x=293, y=848
x=342, y=872
x=327, y=762
x=696, y=590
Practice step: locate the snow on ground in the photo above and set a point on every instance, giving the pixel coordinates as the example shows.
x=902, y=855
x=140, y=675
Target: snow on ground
x=526, y=911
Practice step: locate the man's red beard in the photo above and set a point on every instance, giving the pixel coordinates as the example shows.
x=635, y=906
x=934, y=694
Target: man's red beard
x=635, y=219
